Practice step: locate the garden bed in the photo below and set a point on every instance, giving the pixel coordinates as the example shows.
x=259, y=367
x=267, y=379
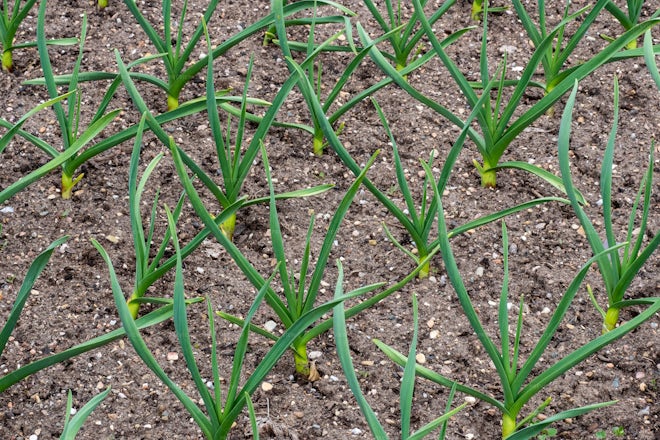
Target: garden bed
x=72, y=301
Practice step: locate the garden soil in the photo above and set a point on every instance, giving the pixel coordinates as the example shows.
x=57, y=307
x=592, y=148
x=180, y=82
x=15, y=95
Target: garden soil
x=72, y=301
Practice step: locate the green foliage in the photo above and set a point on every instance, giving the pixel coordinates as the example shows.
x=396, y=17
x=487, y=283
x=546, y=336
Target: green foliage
x=617, y=270
x=496, y=116
x=406, y=389
x=404, y=35
x=10, y=21
x=74, y=137
x=496, y=119
x=517, y=384
x=628, y=18
x=73, y=425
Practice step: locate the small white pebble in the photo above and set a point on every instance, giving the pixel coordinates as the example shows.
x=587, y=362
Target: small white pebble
x=545, y=310
x=470, y=399
x=312, y=355
x=270, y=325
x=356, y=431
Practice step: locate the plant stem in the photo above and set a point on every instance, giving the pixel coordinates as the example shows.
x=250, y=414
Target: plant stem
x=318, y=141
x=228, y=227
x=426, y=268
x=133, y=306
x=508, y=425
x=68, y=182
x=611, y=318
x=300, y=358
x=400, y=65
x=488, y=175
x=477, y=9
x=172, y=102
x=7, y=61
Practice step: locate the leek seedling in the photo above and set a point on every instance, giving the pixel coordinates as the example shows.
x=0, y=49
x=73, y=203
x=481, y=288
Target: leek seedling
x=149, y=271
x=406, y=389
x=222, y=409
x=498, y=128
x=404, y=35
x=555, y=57
x=73, y=136
x=73, y=425
x=629, y=18
x=617, y=271
x=235, y=166
x=10, y=20
x=102, y=4
x=9, y=23
x=299, y=299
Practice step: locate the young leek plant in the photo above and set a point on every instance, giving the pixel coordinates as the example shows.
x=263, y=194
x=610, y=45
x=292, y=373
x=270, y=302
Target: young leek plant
x=222, y=409
x=299, y=297
x=148, y=271
x=74, y=137
x=404, y=34
x=629, y=18
x=10, y=20
x=617, y=270
x=498, y=128
x=234, y=164
x=517, y=384
x=555, y=61
x=406, y=389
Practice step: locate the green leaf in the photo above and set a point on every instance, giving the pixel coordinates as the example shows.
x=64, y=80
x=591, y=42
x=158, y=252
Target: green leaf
x=31, y=276
x=71, y=427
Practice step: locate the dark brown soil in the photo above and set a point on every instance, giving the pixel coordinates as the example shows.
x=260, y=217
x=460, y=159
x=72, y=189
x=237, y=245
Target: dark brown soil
x=72, y=301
